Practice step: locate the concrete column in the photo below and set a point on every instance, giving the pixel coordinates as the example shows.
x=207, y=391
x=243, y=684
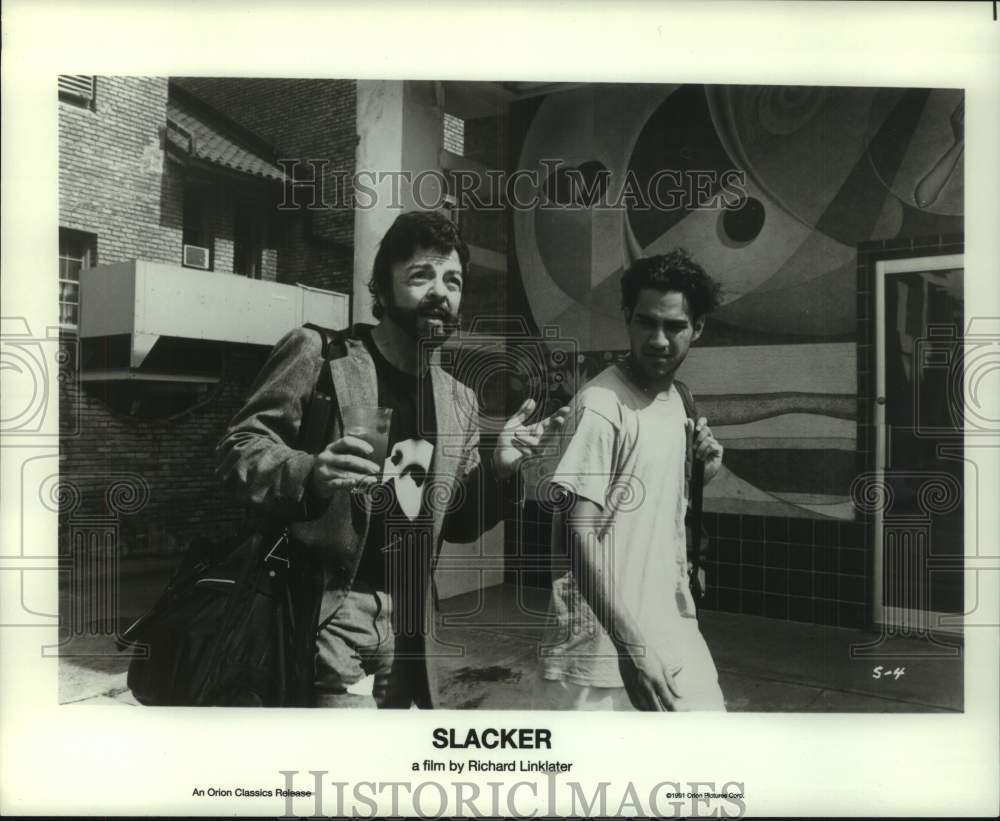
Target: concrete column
x=401, y=130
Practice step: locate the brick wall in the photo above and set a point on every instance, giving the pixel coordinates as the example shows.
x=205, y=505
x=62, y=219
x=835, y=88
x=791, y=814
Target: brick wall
x=174, y=459
x=220, y=219
x=302, y=119
x=111, y=171
x=115, y=183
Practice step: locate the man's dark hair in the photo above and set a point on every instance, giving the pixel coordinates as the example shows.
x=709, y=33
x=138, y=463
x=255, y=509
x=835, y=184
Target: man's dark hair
x=675, y=271
x=408, y=233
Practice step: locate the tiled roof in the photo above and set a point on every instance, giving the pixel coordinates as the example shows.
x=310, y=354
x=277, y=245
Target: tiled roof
x=218, y=143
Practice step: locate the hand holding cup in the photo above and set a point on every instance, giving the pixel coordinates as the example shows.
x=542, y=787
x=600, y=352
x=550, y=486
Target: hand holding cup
x=345, y=464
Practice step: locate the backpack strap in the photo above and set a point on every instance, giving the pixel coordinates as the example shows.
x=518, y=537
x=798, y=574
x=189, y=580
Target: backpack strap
x=697, y=466
x=697, y=487
x=303, y=582
x=688, y=399
x=322, y=401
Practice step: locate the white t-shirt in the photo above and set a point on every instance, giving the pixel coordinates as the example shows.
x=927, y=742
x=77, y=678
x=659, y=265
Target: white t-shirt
x=627, y=455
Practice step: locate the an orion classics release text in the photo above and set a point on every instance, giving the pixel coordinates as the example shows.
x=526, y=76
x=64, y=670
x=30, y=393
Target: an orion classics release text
x=520, y=799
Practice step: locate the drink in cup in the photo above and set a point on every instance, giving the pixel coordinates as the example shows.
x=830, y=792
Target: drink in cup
x=372, y=425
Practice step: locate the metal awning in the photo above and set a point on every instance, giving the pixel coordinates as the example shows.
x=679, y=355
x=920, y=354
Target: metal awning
x=195, y=128
x=127, y=308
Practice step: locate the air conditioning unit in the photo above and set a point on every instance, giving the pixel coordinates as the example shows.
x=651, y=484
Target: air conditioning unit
x=197, y=257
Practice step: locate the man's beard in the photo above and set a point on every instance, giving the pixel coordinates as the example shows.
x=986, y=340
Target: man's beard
x=410, y=320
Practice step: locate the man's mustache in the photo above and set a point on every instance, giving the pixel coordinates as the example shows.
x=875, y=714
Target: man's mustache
x=439, y=311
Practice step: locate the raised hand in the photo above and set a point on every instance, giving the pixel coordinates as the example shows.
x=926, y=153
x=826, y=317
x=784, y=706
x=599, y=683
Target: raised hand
x=518, y=440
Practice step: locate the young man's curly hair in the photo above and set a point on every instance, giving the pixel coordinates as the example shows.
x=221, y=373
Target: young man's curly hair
x=409, y=232
x=675, y=271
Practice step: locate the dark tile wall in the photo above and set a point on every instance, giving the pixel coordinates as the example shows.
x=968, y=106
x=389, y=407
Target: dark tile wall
x=788, y=568
x=528, y=553
x=785, y=568
x=810, y=570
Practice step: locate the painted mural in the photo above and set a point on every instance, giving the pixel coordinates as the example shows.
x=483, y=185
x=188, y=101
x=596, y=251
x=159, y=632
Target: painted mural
x=821, y=170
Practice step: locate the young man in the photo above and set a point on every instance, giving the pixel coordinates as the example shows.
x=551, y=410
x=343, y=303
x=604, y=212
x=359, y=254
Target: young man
x=626, y=634
x=378, y=539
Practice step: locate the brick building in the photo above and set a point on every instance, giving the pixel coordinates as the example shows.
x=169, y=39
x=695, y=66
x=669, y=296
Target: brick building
x=170, y=184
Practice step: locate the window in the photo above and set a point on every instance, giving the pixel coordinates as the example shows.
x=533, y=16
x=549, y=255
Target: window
x=248, y=239
x=454, y=135
x=77, y=89
x=195, y=226
x=77, y=251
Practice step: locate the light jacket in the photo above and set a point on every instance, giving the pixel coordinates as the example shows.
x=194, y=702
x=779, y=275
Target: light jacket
x=258, y=461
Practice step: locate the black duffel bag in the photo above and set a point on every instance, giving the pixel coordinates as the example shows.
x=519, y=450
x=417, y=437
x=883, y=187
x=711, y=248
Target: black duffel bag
x=223, y=632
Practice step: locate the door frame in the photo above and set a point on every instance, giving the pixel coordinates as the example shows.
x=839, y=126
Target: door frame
x=950, y=623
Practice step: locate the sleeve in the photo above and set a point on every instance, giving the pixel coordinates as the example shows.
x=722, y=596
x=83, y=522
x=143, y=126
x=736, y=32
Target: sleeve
x=586, y=466
x=481, y=496
x=257, y=458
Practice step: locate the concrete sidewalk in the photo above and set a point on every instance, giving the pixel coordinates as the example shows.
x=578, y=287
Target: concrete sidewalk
x=765, y=665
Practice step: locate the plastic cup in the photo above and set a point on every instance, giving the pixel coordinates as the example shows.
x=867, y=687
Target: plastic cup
x=371, y=424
